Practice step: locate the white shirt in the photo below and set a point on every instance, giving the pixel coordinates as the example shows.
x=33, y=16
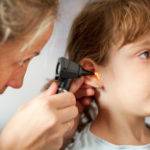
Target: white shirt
x=86, y=140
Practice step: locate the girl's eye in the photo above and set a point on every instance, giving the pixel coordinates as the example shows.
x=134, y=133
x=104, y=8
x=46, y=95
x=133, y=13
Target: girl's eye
x=145, y=55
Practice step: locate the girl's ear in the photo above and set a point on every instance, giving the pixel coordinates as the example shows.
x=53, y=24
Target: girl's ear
x=92, y=80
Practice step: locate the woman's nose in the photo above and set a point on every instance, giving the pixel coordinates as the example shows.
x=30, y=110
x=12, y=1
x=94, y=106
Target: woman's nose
x=16, y=80
x=15, y=84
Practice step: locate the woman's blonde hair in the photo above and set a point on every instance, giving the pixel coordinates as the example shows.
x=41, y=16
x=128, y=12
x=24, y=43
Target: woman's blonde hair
x=19, y=17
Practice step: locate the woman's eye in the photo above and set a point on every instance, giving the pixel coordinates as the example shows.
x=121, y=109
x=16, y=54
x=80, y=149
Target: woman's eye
x=27, y=60
x=145, y=55
x=21, y=63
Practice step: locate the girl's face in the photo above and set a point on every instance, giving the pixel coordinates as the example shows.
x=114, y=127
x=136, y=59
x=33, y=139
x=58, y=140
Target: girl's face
x=126, y=79
x=14, y=63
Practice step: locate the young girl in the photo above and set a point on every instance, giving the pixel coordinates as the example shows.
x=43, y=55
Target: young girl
x=112, y=38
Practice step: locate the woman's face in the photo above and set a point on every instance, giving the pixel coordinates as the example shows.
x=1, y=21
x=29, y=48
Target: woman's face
x=127, y=79
x=14, y=63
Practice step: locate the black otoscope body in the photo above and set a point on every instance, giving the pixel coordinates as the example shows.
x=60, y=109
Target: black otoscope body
x=66, y=71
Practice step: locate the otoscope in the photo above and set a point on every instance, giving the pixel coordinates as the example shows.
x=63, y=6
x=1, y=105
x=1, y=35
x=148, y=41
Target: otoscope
x=66, y=71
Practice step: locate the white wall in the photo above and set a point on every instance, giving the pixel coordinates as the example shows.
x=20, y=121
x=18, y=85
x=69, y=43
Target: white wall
x=42, y=67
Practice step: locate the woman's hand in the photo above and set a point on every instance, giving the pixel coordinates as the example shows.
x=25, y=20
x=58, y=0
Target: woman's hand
x=42, y=123
x=84, y=95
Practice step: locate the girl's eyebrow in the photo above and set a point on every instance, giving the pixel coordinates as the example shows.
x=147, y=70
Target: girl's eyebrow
x=137, y=46
x=145, y=42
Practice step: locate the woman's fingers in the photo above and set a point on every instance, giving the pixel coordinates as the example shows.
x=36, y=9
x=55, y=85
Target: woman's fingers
x=76, y=84
x=67, y=114
x=84, y=92
x=52, y=89
x=62, y=100
x=84, y=103
x=67, y=127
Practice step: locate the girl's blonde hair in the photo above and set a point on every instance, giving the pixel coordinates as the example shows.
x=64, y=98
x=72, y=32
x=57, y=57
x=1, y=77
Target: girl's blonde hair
x=104, y=23
x=18, y=17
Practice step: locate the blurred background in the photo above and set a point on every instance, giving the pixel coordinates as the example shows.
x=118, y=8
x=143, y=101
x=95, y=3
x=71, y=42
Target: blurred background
x=42, y=67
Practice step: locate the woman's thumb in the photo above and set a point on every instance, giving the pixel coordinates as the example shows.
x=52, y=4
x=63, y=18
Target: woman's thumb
x=53, y=88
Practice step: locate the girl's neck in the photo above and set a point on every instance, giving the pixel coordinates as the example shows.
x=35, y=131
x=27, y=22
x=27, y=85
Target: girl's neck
x=121, y=129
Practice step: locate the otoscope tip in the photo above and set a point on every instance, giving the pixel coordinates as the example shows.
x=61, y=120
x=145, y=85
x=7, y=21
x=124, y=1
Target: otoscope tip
x=84, y=72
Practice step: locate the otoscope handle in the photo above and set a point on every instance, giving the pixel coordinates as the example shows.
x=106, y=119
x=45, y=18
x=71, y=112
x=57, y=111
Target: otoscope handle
x=64, y=85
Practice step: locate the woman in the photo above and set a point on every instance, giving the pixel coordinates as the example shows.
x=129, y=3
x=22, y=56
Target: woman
x=42, y=123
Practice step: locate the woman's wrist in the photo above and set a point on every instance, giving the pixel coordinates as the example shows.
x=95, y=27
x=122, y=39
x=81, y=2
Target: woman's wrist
x=6, y=143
